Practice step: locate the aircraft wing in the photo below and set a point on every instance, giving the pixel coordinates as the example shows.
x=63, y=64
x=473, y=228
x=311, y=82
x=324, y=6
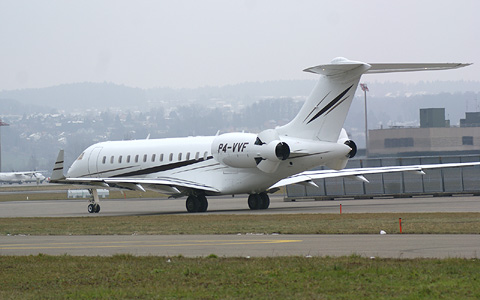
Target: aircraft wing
x=165, y=184
x=28, y=173
x=307, y=177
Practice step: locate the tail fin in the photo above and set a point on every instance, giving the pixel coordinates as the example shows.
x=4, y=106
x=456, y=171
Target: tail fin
x=324, y=112
x=57, y=173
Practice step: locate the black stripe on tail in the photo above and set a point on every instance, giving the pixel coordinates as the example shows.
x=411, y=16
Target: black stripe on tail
x=329, y=105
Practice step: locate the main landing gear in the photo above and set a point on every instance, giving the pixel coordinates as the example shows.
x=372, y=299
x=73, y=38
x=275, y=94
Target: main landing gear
x=197, y=203
x=258, y=201
x=94, y=206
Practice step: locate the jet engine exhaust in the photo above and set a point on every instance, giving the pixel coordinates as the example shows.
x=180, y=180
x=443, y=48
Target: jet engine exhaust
x=352, y=146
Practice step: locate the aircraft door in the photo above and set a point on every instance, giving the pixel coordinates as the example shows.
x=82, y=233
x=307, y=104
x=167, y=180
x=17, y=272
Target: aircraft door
x=92, y=162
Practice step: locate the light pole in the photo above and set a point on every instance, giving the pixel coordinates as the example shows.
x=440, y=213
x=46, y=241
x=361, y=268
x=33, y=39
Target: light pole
x=365, y=90
x=1, y=124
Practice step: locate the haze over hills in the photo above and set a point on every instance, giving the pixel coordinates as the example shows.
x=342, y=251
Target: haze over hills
x=78, y=96
x=81, y=96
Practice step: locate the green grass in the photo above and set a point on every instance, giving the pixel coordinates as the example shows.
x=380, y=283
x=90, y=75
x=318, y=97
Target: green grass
x=52, y=192
x=367, y=223
x=129, y=277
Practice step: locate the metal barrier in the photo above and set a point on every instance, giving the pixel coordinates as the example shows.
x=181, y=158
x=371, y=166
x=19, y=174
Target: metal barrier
x=437, y=182
x=102, y=193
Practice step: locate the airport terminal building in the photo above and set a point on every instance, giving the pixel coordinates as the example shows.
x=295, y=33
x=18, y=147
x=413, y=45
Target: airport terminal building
x=435, y=136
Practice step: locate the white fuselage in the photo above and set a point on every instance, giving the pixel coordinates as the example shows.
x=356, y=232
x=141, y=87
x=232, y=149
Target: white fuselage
x=200, y=159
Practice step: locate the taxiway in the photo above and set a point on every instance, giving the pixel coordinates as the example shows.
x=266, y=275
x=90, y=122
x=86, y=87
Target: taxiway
x=386, y=246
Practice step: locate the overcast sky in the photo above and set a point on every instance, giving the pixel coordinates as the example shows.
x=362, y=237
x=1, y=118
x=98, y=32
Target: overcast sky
x=196, y=43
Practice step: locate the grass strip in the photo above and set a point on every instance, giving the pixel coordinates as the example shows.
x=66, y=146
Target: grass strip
x=61, y=194
x=129, y=277
x=366, y=223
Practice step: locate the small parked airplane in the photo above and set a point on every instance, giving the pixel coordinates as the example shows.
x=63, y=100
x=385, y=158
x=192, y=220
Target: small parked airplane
x=22, y=177
x=244, y=163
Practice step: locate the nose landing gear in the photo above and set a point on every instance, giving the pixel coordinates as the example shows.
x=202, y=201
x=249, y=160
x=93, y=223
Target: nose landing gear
x=94, y=206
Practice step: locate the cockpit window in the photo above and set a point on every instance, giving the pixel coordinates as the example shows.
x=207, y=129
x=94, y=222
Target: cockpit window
x=81, y=156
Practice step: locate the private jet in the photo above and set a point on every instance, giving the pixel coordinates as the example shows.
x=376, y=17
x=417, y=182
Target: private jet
x=244, y=163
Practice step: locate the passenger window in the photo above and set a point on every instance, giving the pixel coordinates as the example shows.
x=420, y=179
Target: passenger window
x=197, y=155
x=145, y=158
x=161, y=157
x=188, y=156
x=104, y=160
x=179, y=156
x=205, y=155
x=120, y=159
x=128, y=159
x=171, y=157
x=112, y=159
x=153, y=157
x=136, y=158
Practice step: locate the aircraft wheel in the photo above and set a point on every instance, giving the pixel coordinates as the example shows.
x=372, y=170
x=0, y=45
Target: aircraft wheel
x=90, y=208
x=193, y=204
x=97, y=208
x=254, y=201
x=203, y=203
x=265, y=200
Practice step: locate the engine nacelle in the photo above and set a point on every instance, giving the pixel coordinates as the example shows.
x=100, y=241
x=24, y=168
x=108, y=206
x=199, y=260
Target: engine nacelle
x=242, y=150
x=343, y=139
x=274, y=151
x=341, y=162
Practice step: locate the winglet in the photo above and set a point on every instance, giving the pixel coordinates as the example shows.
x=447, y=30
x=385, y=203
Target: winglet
x=57, y=173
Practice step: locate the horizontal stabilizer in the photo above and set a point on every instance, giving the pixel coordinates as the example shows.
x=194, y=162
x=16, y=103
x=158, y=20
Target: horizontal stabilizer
x=340, y=65
x=412, y=67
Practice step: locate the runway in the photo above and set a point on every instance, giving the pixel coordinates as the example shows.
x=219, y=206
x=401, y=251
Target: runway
x=389, y=246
